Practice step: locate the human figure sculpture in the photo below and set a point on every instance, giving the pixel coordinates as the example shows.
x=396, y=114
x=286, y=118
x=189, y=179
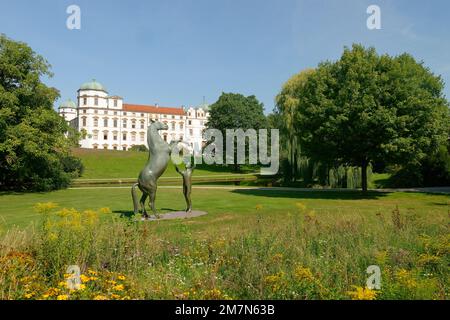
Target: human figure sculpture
x=187, y=183
x=159, y=156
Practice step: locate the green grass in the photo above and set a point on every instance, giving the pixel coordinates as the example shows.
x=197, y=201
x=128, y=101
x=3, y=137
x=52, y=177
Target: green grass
x=111, y=164
x=253, y=244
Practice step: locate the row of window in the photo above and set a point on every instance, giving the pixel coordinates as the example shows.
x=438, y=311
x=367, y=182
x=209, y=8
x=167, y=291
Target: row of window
x=133, y=136
x=133, y=123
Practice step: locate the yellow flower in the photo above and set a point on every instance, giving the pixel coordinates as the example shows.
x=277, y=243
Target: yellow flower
x=111, y=282
x=105, y=210
x=362, y=293
x=121, y=277
x=100, y=297
x=115, y=296
x=92, y=272
x=406, y=278
x=84, y=278
x=259, y=207
x=300, y=206
x=62, y=284
x=45, y=207
x=301, y=273
x=62, y=297
x=119, y=287
x=28, y=295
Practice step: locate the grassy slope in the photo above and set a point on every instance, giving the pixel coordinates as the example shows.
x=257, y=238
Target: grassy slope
x=110, y=164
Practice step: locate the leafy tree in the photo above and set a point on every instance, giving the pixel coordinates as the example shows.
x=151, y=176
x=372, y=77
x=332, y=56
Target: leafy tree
x=365, y=107
x=34, y=152
x=235, y=111
x=139, y=147
x=287, y=102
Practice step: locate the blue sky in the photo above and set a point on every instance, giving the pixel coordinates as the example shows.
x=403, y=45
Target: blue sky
x=175, y=52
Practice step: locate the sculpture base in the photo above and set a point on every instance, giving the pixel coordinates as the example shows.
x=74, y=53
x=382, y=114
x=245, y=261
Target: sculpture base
x=176, y=215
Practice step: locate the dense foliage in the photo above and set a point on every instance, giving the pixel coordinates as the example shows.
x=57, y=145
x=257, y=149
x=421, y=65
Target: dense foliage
x=34, y=150
x=365, y=108
x=235, y=111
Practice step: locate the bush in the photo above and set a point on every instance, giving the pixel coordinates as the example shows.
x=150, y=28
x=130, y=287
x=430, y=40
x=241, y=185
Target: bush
x=141, y=148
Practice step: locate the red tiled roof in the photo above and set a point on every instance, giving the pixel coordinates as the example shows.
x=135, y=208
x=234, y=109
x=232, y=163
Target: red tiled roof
x=152, y=109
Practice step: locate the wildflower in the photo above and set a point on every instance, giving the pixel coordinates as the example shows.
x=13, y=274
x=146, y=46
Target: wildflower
x=115, y=296
x=121, y=277
x=362, y=293
x=105, y=210
x=62, y=297
x=45, y=207
x=85, y=278
x=118, y=287
x=259, y=207
x=301, y=273
x=92, y=272
x=28, y=295
x=100, y=297
x=406, y=278
x=300, y=206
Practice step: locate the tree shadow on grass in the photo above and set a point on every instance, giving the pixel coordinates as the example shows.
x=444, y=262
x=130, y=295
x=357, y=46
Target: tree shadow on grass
x=323, y=194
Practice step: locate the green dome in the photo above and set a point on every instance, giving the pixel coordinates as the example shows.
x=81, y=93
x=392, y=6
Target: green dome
x=68, y=104
x=92, y=85
x=204, y=106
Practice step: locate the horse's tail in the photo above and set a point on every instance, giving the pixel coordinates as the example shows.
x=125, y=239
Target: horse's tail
x=135, y=198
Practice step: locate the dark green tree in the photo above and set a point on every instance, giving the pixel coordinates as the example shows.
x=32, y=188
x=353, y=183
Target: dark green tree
x=34, y=151
x=366, y=107
x=235, y=111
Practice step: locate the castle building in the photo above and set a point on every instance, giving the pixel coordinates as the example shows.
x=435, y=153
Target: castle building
x=107, y=122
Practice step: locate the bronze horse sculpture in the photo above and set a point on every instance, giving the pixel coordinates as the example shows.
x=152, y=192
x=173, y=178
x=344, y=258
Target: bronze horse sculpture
x=159, y=156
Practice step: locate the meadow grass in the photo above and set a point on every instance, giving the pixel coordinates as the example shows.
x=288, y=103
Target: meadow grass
x=253, y=244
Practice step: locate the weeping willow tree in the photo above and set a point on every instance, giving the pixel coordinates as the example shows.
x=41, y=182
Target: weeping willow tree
x=297, y=168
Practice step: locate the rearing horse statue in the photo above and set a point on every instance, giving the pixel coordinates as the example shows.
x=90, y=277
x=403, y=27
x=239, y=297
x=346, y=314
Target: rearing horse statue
x=159, y=155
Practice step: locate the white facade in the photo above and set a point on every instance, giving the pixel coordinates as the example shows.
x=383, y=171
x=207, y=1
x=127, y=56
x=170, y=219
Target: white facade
x=106, y=122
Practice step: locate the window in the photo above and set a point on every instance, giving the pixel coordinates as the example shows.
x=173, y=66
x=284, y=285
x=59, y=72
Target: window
x=142, y=136
x=105, y=146
x=181, y=137
x=181, y=125
x=95, y=146
x=124, y=113
x=105, y=112
x=173, y=117
x=84, y=111
x=115, y=136
x=105, y=122
x=95, y=135
x=142, y=124
x=124, y=148
x=115, y=123
x=115, y=113
x=115, y=147
x=105, y=135
x=96, y=101
x=115, y=103
x=133, y=124
x=84, y=101
x=83, y=121
x=95, y=122
x=133, y=136
x=124, y=136
x=124, y=123
x=189, y=122
x=191, y=132
x=173, y=125
x=95, y=111
x=142, y=114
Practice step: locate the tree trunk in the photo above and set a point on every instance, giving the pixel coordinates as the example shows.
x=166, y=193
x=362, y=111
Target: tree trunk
x=364, y=175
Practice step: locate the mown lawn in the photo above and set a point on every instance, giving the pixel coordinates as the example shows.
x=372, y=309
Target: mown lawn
x=111, y=164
